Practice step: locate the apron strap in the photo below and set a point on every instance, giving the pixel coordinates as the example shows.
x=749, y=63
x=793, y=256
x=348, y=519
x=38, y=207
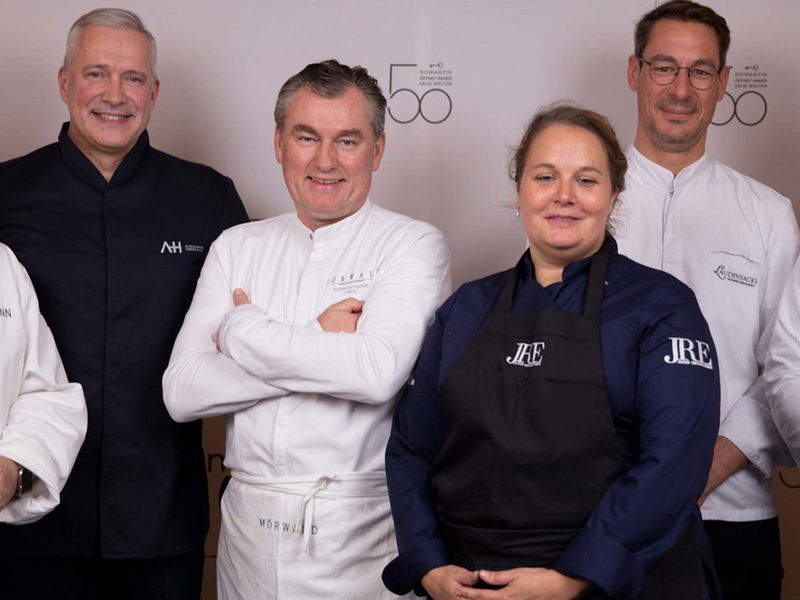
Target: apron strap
x=506, y=298
x=306, y=508
x=596, y=284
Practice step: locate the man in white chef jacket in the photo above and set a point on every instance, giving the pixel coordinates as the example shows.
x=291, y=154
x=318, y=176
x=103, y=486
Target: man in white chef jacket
x=782, y=371
x=42, y=416
x=733, y=240
x=303, y=329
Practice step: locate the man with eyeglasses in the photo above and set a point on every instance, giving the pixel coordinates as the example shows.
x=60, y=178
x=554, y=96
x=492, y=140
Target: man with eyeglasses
x=733, y=241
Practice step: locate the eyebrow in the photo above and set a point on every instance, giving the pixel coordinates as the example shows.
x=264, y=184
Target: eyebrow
x=700, y=61
x=552, y=166
x=303, y=128
x=105, y=67
x=356, y=133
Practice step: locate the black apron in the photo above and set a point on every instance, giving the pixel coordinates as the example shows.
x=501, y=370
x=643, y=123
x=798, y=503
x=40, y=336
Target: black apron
x=530, y=446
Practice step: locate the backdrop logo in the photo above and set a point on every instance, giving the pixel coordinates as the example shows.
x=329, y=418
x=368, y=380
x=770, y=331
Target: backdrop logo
x=747, y=103
x=419, y=91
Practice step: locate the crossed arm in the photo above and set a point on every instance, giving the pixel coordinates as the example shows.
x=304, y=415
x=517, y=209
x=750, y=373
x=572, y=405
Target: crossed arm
x=231, y=355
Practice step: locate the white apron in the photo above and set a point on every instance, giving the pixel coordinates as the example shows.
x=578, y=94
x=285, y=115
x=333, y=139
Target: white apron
x=307, y=537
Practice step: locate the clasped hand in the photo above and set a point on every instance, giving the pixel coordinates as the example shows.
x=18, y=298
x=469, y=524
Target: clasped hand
x=451, y=582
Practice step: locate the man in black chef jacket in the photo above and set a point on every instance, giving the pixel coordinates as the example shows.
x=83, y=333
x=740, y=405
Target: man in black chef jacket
x=113, y=234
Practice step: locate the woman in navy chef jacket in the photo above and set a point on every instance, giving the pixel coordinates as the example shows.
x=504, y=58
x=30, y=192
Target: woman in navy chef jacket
x=560, y=422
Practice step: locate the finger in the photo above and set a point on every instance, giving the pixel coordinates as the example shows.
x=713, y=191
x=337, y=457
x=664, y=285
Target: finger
x=240, y=297
x=465, y=577
x=497, y=577
x=349, y=304
x=471, y=593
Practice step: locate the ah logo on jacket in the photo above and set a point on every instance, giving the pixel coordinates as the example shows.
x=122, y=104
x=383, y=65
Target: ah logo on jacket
x=5, y=312
x=527, y=355
x=171, y=248
x=689, y=352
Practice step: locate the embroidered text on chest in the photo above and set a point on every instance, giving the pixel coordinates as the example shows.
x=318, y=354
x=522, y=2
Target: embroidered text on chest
x=727, y=275
x=527, y=355
x=179, y=248
x=5, y=312
x=353, y=280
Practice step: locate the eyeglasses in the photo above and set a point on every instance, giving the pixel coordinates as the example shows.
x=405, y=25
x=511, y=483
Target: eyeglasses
x=664, y=72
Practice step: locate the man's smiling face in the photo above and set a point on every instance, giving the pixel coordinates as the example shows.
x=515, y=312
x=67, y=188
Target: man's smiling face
x=328, y=152
x=110, y=89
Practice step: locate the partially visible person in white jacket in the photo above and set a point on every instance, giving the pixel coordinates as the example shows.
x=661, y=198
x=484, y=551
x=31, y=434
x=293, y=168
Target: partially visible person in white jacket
x=303, y=329
x=42, y=416
x=782, y=370
x=732, y=240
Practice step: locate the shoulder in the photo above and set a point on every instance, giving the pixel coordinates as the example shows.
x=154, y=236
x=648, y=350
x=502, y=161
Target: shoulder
x=651, y=292
x=7, y=258
x=180, y=168
x=393, y=223
x=13, y=276
x=474, y=297
x=747, y=188
x=259, y=232
x=24, y=167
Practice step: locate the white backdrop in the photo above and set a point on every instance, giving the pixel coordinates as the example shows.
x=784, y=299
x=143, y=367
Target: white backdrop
x=484, y=65
x=221, y=64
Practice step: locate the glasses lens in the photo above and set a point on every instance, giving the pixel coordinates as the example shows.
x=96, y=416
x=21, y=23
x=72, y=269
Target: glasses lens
x=702, y=78
x=664, y=72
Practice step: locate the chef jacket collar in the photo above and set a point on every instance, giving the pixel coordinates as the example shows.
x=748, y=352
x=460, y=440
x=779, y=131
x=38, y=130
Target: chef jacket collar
x=82, y=167
x=653, y=175
x=570, y=272
x=346, y=226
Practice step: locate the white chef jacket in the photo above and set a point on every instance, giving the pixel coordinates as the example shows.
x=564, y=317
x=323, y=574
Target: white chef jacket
x=782, y=371
x=42, y=417
x=300, y=400
x=734, y=241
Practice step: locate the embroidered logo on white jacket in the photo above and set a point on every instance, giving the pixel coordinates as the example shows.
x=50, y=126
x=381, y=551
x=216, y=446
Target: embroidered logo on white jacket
x=689, y=352
x=5, y=312
x=723, y=273
x=527, y=355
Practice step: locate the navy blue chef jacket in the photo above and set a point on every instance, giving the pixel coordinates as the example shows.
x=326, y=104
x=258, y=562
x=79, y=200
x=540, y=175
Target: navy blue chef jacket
x=115, y=265
x=666, y=417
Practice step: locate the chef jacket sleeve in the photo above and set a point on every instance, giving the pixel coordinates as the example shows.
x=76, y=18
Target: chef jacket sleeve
x=677, y=410
x=232, y=211
x=749, y=424
x=46, y=421
x=373, y=363
x=200, y=381
x=782, y=370
x=415, y=441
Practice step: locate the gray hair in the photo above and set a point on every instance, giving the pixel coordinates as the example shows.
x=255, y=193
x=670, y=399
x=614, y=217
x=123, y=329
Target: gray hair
x=331, y=79
x=109, y=17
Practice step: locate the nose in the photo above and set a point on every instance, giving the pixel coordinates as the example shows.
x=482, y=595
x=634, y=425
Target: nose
x=114, y=92
x=681, y=86
x=325, y=158
x=565, y=192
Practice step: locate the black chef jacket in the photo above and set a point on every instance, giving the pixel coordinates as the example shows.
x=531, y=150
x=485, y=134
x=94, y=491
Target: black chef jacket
x=114, y=265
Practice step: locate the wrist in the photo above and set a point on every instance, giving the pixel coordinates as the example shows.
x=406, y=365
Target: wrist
x=24, y=481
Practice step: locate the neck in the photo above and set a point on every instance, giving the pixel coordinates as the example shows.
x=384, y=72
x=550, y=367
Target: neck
x=105, y=163
x=675, y=162
x=546, y=272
